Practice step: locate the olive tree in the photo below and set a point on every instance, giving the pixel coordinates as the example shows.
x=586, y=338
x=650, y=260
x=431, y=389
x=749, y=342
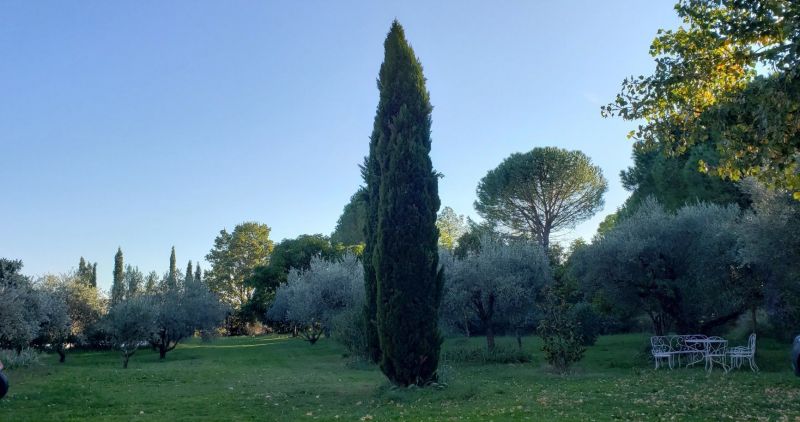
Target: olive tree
x=771, y=250
x=312, y=298
x=678, y=268
x=130, y=324
x=55, y=327
x=497, y=285
x=180, y=311
x=541, y=192
x=21, y=311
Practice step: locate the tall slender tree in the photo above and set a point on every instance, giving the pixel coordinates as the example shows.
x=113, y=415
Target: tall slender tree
x=198, y=275
x=371, y=174
x=94, y=275
x=189, y=277
x=172, y=277
x=118, y=284
x=403, y=239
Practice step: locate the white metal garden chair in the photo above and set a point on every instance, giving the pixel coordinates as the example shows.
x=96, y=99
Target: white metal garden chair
x=740, y=353
x=660, y=348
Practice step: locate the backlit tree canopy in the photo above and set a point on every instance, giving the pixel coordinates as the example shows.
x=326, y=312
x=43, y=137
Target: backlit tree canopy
x=233, y=258
x=541, y=192
x=727, y=77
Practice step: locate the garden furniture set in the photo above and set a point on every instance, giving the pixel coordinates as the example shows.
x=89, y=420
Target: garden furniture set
x=696, y=348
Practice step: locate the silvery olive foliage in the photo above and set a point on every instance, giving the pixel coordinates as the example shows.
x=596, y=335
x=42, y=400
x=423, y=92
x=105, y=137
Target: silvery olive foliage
x=130, y=324
x=55, y=327
x=679, y=268
x=496, y=286
x=21, y=307
x=311, y=299
x=771, y=249
x=181, y=310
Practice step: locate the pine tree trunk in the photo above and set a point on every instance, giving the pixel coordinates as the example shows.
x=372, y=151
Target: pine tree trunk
x=754, y=318
x=61, y=355
x=519, y=339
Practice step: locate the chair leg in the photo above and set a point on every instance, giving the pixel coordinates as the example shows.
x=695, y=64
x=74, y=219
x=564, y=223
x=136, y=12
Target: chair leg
x=753, y=366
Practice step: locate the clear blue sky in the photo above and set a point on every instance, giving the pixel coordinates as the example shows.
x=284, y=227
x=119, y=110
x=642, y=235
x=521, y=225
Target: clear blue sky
x=151, y=124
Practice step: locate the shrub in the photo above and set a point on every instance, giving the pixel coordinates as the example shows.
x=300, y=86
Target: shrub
x=350, y=329
x=589, y=323
x=26, y=357
x=311, y=299
x=560, y=333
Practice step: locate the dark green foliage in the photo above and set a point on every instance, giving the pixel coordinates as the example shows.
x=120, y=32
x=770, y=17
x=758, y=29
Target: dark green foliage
x=233, y=258
x=198, y=275
x=560, y=332
x=350, y=227
x=82, y=268
x=118, y=284
x=470, y=241
x=770, y=254
x=677, y=268
x=479, y=355
x=134, y=280
x=172, y=277
x=543, y=191
x=676, y=181
x=371, y=171
x=189, y=278
x=403, y=247
x=727, y=79
x=589, y=322
x=87, y=272
x=289, y=253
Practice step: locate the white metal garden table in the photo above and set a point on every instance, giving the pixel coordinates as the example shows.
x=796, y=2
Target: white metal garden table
x=713, y=349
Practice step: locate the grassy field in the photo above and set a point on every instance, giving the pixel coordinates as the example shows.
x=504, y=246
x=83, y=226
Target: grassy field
x=279, y=378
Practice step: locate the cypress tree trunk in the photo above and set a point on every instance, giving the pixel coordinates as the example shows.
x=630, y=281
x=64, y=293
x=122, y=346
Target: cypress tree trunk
x=404, y=248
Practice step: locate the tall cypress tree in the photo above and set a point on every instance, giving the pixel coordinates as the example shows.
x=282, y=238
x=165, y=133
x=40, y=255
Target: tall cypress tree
x=172, y=277
x=189, y=278
x=198, y=275
x=404, y=242
x=371, y=174
x=94, y=275
x=118, y=285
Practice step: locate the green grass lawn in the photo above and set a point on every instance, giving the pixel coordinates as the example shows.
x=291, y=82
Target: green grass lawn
x=279, y=378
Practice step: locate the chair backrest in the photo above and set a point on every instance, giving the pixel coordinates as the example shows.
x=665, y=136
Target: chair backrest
x=751, y=343
x=659, y=344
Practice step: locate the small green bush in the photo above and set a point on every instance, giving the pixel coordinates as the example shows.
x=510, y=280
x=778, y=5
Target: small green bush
x=11, y=359
x=350, y=330
x=589, y=323
x=560, y=332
